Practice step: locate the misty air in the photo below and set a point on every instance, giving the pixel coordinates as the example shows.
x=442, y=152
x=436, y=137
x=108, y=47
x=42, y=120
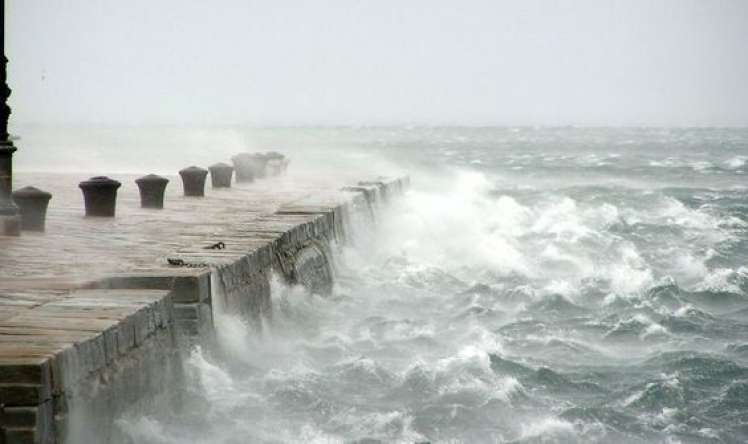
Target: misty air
x=369, y=222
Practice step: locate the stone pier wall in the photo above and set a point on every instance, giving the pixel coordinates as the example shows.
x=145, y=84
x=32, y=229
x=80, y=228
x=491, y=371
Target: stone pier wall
x=86, y=351
x=71, y=361
x=293, y=243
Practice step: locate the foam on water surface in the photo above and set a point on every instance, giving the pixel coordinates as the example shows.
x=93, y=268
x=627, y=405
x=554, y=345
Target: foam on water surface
x=598, y=294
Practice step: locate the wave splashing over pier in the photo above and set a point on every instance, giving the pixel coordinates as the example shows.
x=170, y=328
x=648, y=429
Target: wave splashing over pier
x=551, y=286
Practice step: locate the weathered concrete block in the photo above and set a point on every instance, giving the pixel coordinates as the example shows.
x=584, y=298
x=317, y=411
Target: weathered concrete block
x=185, y=286
x=125, y=336
x=163, y=312
x=312, y=270
x=92, y=353
x=66, y=368
x=194, y=320
x=23, y=394
x=141, y=325
x=28, y=425
x=245, y=289
x=25, y=369
x=192, y=312
x=25, y=417
x=110, y=344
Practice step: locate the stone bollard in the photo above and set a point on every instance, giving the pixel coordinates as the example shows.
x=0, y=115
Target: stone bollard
x=273, y=163
x=100, y=196
x=193, y=181
x=243, y=167
x=220, y=175
x=152, y=188
x=273, y=167
x=259, y=164
x=32, y=202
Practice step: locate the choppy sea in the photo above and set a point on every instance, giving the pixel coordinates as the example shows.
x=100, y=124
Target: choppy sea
x=535, y=285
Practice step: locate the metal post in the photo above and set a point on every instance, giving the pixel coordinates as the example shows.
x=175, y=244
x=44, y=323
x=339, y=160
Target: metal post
x=2, y=422
x=10, y=221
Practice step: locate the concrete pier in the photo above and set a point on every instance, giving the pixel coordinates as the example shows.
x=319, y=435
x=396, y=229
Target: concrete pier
x=89, y=308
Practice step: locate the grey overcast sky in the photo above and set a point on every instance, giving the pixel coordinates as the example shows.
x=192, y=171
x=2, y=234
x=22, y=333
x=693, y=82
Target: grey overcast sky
x=378, y=62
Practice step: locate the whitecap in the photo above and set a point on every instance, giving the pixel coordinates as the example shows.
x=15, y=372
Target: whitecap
x=548, y=428
x=736, y=162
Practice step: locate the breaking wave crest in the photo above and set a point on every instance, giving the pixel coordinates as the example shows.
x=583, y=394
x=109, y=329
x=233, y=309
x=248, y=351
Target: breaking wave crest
x=480, y=311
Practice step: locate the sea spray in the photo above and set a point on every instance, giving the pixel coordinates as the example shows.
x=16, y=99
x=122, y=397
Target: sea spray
x=582, y=291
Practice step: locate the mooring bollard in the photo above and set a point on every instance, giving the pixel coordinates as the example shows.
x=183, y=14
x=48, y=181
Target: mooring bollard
x=273, y=167
x=32, y=202
x=220, y=175
x=259, y=164
x=243, y=167
x=152, y=189
x=193, y=181
x=274, y=163
x=100, y=196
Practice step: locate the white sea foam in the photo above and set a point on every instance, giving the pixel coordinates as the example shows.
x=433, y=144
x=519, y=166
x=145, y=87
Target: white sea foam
x=549, y=430
x=144, y=429
x=216, y=385
x=393, y=348
x=736, y=162
x=723, y=280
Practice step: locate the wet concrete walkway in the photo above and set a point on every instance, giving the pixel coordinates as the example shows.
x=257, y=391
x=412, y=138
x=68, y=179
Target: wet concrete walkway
x=90, y=308
x=78, y=249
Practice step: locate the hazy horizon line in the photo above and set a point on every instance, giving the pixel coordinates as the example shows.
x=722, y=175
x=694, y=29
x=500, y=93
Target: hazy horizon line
x=367, y=126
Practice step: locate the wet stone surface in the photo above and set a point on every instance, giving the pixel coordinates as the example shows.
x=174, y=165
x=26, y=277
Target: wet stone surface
x=76, y=248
